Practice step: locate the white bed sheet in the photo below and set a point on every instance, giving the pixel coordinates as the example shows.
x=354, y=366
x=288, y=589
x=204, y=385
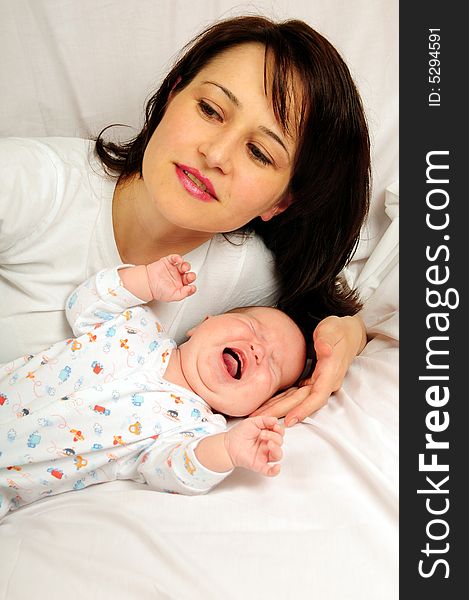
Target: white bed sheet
x=327, y=527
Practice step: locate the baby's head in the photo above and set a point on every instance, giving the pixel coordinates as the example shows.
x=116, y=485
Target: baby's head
x=238, y=360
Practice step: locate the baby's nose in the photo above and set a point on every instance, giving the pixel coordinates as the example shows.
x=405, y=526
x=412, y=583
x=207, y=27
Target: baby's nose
x=258, y=352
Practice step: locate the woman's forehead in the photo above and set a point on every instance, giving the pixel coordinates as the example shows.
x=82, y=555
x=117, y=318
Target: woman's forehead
x=239, y=65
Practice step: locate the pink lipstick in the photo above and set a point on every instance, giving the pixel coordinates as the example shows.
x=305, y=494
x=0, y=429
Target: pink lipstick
x=196, y=184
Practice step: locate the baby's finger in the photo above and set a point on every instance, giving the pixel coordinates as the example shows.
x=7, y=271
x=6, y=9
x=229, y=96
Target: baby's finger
x=188, y=278
x=271, y=470
x=183, y=267
x=176, y=259
x=189, y=289
x=266, y=421
x=272, y=436
x=275, y=452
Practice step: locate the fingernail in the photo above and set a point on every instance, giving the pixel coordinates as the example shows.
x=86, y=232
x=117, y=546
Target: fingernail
x=292, y=422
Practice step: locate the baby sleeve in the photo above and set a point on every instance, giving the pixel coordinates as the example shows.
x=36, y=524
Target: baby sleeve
x=172, y=466
x=98, y=300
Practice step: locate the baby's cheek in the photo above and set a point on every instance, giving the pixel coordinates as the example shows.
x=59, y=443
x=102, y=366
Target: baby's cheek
x=291, y=371
x=262, y=388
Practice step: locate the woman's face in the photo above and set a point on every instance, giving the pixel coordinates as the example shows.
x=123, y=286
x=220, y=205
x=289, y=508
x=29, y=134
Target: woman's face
x=219, y=158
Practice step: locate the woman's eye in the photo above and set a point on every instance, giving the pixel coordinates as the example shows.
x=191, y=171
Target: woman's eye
x=208, y=111
x=258, y=155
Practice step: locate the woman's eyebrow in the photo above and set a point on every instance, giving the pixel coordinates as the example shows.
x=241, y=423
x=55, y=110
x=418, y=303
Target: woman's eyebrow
x=230, y=95
x=238, y=104
x=274, y=136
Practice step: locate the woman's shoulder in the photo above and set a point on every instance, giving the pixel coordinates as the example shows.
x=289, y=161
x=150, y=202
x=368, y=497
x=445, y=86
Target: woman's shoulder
x=37, y=176
x=22, y=152
x=41, y=163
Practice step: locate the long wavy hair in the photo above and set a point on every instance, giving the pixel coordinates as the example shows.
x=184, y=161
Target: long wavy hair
x=315, y=238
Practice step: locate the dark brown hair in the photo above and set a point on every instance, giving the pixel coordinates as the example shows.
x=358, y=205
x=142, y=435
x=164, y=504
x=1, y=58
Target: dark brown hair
x=316, y=236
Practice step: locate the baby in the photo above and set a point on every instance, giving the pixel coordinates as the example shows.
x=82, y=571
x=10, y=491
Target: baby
x=121, y=401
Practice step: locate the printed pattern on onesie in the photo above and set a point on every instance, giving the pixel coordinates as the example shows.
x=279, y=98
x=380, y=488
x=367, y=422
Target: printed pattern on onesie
x=96, y=408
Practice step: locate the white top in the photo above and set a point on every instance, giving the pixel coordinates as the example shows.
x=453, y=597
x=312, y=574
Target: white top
x=56, y=231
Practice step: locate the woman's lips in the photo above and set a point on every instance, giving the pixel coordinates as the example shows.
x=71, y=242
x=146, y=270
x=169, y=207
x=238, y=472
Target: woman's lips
x=185, y=173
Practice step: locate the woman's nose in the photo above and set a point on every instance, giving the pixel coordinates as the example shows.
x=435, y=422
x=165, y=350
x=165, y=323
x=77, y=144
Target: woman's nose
x=218, y=153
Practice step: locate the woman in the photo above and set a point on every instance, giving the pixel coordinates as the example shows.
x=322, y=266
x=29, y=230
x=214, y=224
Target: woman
x=257, y=130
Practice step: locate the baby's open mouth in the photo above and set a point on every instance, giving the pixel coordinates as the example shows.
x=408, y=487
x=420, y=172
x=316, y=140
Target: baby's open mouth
x=232, y=362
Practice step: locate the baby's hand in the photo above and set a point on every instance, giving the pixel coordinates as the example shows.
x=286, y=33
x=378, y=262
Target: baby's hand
x=255, y=444
x=170, y=278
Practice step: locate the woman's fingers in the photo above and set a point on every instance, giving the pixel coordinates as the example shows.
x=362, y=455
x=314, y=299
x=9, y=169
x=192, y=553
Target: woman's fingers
x=265, y=409
x=312, y=400
x=279, y=405
x=326, y=379
x=299, y=403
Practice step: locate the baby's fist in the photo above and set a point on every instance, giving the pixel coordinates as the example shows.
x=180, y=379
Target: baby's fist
x=171, y=279
x=256, y=444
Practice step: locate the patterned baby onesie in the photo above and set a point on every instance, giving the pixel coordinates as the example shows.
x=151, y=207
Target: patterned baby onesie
x=96, y=408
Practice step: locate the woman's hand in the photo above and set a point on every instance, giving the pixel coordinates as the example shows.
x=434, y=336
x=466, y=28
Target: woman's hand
x=337, y=340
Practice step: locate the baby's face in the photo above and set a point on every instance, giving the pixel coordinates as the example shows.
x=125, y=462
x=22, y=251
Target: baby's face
x=238, y=360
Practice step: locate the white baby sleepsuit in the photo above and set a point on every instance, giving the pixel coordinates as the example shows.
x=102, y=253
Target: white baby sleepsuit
x=96, y=407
